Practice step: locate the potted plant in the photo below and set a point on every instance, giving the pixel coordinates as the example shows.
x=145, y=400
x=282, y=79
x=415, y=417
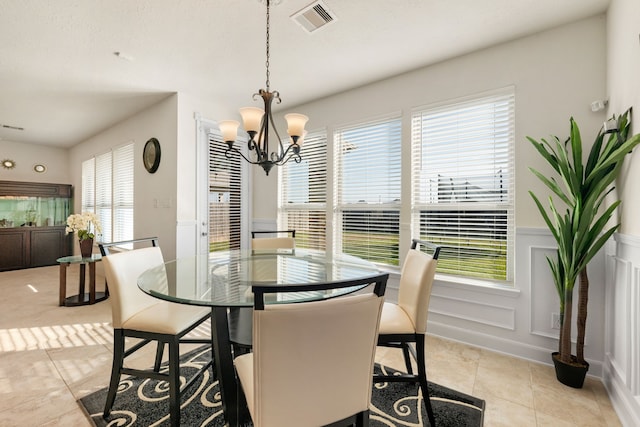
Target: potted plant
x=85, y=226
x=583, y=228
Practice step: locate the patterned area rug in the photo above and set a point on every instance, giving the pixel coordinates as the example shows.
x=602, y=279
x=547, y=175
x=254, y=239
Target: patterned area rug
x=144, y=402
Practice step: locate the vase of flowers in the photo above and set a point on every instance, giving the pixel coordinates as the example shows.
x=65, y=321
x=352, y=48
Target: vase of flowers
x=85, y=226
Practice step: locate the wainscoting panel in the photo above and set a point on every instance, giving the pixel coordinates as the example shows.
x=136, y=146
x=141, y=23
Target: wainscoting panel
x=517, y=320
x=473, y=311
x=621, y=374
x=544, y=297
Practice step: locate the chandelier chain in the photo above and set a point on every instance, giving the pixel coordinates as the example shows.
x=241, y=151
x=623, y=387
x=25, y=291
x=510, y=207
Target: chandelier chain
x=267, y=61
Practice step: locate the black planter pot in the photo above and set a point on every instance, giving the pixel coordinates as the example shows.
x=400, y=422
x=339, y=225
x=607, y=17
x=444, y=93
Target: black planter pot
x=569, y=374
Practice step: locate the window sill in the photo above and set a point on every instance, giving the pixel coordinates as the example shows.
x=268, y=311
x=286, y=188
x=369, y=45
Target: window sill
x=473, y=285
x=477, y=285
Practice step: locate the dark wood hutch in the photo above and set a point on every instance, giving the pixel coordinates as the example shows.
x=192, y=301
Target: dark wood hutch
x=32, y=224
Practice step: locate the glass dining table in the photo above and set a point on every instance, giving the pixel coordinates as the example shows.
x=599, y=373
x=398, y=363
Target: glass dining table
x=224, y=280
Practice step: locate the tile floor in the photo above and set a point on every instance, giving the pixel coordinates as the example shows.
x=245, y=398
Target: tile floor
x=50, y=356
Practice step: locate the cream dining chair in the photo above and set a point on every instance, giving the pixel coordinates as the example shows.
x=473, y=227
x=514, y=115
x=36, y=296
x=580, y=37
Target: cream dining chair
x=275, y=241
x=312, y=362
x=138, y=315
x=240, y=323
x=405, y=323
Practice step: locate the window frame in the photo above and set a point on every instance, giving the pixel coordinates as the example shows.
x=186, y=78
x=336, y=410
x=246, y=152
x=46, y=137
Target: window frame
x=101, y=173
x=376, y=249
x=314, y=152
x=505, y=148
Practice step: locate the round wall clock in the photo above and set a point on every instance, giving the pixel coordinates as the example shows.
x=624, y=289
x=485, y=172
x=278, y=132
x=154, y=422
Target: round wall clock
x=151, y=155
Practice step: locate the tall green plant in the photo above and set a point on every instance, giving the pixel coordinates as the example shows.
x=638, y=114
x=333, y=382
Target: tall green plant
x=582, y=228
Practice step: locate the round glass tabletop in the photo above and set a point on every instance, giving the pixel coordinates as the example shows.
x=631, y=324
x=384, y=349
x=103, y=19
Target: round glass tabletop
x=225, y=278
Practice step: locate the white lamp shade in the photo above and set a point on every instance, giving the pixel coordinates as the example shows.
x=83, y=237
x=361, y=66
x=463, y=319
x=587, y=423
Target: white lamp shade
x=252, y=118
x=229, y=130
x=295, y=123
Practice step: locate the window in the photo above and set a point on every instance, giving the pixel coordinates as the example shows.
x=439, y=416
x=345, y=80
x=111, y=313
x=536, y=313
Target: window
x=463, y=183
x=367, y=190
x=225, y=197
x=107, y=190
x=303, y=193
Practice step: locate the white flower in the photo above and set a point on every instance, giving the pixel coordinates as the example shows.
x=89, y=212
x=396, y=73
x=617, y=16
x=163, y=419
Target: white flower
x=85, y=225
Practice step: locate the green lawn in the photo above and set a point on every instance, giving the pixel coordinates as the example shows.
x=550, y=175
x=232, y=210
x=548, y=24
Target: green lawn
x=458, y=257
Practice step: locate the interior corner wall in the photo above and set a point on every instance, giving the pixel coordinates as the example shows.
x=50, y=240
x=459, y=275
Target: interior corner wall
x=154, y=194
x=621, y=368
x=623, y=89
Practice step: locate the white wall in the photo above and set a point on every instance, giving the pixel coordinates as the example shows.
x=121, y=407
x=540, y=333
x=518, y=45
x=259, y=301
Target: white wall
x=622, y=346
x=556, y=74
x=27, y=155
x=155, y=194
x=623, y=88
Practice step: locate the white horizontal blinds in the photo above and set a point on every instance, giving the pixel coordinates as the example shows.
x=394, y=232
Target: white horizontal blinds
x=123, y=165
x=367, y=190
x=88, y=202
x=463, y=183
x=103, y=181
x=225, y=184
x=303, y=193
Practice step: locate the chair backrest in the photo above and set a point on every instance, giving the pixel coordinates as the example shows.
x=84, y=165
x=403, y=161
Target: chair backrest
x=274, y=233
x=416, y=282
x=314, y=361
x=275, y=240
x=105, y=248
x=122, y=270
x=273, y=243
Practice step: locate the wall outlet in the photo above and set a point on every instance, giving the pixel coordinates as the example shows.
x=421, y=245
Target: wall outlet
x=555, y=321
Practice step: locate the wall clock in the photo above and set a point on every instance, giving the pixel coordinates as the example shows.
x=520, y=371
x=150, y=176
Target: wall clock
x=151, y=155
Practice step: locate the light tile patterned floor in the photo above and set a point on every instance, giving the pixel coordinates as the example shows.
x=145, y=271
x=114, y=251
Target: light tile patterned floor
x=50, y=356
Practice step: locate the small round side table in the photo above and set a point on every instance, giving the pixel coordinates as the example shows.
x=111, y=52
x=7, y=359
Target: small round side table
x=82, y=298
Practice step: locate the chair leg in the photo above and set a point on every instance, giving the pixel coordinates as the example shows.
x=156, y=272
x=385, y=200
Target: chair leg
x=407, y=357
x=174, y=382
x=422, y=375
x=159, y=353
x=116, y=367
x=362, y=419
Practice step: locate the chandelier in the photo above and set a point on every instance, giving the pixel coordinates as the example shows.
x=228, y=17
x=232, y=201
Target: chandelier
x=257, y=123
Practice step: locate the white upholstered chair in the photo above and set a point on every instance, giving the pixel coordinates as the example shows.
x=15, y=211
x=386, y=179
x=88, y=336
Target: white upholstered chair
x=138, y=315
x=240, y=323
x=312, y=362
x=274, y=241
x=405, y=323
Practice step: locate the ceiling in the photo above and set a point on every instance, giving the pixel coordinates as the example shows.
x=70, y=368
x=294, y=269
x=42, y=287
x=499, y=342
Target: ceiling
x=61, y=81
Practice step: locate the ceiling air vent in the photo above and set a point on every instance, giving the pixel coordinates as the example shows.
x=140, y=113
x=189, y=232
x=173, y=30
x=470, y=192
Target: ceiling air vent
x=314, y=16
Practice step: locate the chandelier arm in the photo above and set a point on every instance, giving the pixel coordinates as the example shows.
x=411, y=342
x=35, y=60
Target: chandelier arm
x=295, y=153
x=295, y=156
x=229, y=155
x=281, y=153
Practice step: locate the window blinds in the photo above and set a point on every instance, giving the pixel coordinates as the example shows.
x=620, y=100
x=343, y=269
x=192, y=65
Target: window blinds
x=463, y=183
x=123, y=165
x=107, y=190
x=88, y=185
x=103, y=180
x=303, y=193
x=367, y=189
x=225, y=183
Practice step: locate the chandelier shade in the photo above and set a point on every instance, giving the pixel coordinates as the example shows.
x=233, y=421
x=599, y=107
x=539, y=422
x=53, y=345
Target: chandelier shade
x=258, y=123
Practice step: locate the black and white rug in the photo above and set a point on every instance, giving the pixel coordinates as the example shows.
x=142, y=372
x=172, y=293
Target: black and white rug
x=144, y=402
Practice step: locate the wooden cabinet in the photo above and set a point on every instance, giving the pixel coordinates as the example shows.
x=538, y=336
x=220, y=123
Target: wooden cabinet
x=32, y=224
